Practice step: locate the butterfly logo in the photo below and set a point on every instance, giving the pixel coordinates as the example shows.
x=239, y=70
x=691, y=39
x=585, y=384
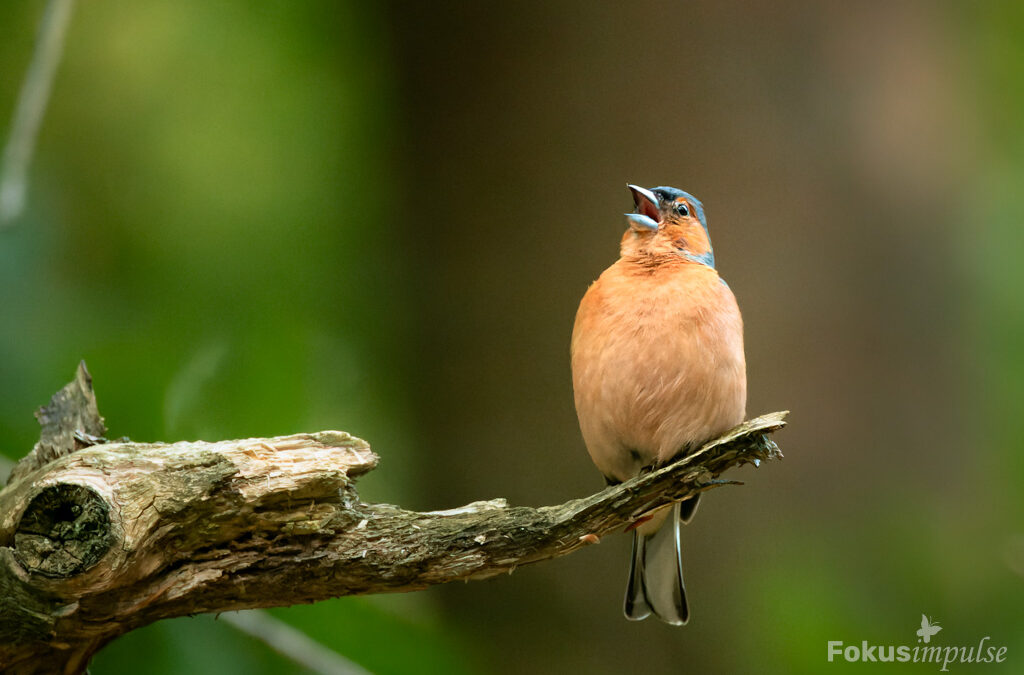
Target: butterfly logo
x=928, y=629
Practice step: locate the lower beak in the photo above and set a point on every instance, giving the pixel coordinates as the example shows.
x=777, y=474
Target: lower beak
x=641, y=223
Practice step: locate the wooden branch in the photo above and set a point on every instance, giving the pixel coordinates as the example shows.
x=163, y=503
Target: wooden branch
x=99, y=540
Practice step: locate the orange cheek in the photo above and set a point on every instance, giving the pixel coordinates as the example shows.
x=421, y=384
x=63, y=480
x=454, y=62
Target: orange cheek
x=693, y=239
x=698, y=239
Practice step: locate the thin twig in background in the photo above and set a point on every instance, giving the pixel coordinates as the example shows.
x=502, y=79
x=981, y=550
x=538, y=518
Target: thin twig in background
x=292, y=643
x=28, y=115
x=5, y=468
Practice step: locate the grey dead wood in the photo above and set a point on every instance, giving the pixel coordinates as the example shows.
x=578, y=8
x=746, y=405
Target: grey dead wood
x=98, y=538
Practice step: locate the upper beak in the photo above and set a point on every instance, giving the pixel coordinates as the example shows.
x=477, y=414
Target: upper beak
x=646, y=202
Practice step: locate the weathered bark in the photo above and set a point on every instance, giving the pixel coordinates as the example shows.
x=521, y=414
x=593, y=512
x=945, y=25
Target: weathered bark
x=96, y=540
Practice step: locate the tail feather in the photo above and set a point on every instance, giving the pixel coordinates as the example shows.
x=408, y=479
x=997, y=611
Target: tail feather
x=656, y=574
x=636, y=607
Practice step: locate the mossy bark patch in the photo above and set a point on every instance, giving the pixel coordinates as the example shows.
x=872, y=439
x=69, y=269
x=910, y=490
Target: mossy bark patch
x=64, y=531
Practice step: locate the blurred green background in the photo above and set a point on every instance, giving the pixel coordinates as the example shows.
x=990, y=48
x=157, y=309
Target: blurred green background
x=263, y=218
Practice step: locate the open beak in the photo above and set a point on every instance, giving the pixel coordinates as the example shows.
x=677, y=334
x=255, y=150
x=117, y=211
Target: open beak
x=646, y=202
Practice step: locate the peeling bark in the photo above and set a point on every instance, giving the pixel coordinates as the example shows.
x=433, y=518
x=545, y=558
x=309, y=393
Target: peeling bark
x=99, y=538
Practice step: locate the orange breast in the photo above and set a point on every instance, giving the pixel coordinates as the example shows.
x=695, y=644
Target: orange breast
x=658, y=365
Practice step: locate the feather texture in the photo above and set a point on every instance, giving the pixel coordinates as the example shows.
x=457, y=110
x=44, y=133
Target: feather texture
x=657, y=362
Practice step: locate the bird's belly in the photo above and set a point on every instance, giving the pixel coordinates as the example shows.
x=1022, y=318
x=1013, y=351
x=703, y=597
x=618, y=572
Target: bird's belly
x=656, y=381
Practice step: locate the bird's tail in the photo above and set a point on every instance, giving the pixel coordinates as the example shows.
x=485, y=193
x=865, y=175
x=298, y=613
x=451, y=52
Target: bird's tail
x=656, y=571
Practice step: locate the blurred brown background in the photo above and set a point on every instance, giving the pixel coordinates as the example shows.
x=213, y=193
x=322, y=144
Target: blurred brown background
x=827, y=143
x=441, y=182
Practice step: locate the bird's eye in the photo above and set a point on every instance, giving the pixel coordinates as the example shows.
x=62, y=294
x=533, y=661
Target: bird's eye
x=682, y=209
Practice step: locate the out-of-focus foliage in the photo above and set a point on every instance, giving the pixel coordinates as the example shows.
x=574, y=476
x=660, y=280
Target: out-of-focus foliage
x=208, y=228
x=262, y=218
x=377, y=640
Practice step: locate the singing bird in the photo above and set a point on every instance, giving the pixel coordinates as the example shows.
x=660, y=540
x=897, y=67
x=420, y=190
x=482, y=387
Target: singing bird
x=658, y=370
